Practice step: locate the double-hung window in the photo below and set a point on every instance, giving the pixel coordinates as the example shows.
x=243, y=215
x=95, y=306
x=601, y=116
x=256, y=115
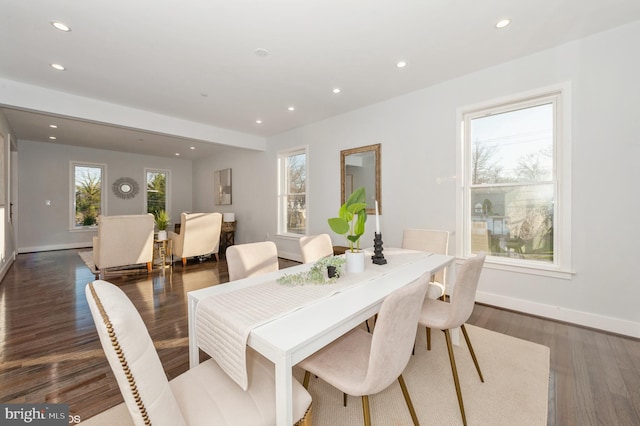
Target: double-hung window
x=87, y=183
x=156, y=194
x=292, y=192
x=515, y=175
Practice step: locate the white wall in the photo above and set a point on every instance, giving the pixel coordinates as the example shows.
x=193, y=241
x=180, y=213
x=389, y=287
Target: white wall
x=7, y=244
x=44, y=174
x=253, y=186
x=417, y=132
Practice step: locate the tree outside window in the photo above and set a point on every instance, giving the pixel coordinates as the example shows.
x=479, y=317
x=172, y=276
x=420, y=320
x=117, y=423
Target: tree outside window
x=156, y=191
x=88, y=194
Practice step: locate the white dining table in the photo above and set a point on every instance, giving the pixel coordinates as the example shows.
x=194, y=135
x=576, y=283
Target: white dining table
x=291, y=337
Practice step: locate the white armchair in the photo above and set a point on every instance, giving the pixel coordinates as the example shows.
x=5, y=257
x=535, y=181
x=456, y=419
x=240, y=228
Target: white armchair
x=199, y=235
x=123, y=240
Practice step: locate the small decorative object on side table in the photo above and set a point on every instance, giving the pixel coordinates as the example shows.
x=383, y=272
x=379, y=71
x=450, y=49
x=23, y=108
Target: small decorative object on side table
x=378, y=257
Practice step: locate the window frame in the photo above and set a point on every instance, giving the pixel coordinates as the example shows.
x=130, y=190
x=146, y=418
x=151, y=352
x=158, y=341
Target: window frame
x=72, y=197
x=167, y=198
x=283, y=194
x=560, y=95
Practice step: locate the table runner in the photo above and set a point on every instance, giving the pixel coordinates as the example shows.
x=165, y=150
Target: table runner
x=224, y=321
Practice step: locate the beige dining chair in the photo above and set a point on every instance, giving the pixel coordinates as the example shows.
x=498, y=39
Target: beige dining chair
x=199, y=235
x=201, y=396
x=246, y=260
x=361, y=363
x=433, y=241
x=446, y=316
x=315, y=247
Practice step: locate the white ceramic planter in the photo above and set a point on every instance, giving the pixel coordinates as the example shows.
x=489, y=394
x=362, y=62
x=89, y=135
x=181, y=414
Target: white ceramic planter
x=354, y=261
x=162, y=235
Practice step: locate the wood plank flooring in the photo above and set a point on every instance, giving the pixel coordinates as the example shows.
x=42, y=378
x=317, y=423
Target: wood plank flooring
x=49, y=349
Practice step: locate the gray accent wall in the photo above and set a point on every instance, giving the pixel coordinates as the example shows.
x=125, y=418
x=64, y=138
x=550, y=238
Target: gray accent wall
x=44, y=174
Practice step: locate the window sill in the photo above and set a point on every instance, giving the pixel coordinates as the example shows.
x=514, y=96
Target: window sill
x=84, y=229
x=526, y=268
x=291, y=237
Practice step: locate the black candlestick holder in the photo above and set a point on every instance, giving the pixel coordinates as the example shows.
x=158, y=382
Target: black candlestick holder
x=378, y=257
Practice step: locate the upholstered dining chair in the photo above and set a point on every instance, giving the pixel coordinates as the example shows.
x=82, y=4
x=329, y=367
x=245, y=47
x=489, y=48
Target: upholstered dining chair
x=203, y=395
x=199, y=235
x=445, y=316
x=314, y=247
x=246, y=260
x=361, y=363
x=434, y=241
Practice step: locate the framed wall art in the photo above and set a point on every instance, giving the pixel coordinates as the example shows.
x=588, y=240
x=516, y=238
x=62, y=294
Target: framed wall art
x=222, y=187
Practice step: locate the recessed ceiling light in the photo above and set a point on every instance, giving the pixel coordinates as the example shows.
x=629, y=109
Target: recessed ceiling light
x=59, y=25
x=401, y=64
x=192, y=147
x=503, y=23
x=337, y=90
x=53, y=126
x=292, y=108
x=177, y=154
x=258, y=121
x=57, y=67
x=52, y=137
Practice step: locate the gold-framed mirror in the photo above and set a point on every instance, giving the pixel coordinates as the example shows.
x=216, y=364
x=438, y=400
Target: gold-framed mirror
x=361, y=167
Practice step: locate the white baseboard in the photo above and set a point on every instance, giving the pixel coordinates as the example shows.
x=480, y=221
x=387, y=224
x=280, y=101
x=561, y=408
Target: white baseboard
x=587, y=319
x=53, y=247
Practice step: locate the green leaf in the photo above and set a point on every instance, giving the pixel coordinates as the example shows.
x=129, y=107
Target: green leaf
x=339, y=225
x=357, y=196
x=359, y=225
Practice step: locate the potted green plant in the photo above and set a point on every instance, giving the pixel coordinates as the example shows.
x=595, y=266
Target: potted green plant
x=162, y=222
x=350, y=223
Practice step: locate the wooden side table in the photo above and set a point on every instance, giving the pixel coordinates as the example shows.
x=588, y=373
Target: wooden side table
x=227, y=235
x=338, y=250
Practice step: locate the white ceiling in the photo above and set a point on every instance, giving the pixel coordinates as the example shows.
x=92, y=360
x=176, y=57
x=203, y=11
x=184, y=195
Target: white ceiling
x=196, y=60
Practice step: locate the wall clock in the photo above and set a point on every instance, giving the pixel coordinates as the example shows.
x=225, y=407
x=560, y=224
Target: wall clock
x=125, y=188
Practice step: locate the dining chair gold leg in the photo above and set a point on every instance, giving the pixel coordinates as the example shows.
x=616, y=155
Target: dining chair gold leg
x=305, y=381
x=454, y=371
x=365, y=410
x=428, y=339
x=473, y=354
x=405, y=392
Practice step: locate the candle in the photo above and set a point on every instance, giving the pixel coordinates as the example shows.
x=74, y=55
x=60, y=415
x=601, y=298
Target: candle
x=377, y=219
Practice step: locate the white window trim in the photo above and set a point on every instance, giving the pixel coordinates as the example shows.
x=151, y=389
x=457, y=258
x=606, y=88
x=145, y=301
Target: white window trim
x=167, y=201
x=72, y=194
x=280, y=218
x=562, y=266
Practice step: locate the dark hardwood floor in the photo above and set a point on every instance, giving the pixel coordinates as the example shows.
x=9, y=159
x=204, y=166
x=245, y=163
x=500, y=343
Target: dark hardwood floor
x=49, y=349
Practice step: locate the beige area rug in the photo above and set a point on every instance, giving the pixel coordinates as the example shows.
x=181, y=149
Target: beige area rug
x=515, y=391
x=87, y=258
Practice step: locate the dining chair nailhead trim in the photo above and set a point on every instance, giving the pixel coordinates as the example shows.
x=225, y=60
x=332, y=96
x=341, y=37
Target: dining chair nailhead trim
x=123, y=360
x=304, y=421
